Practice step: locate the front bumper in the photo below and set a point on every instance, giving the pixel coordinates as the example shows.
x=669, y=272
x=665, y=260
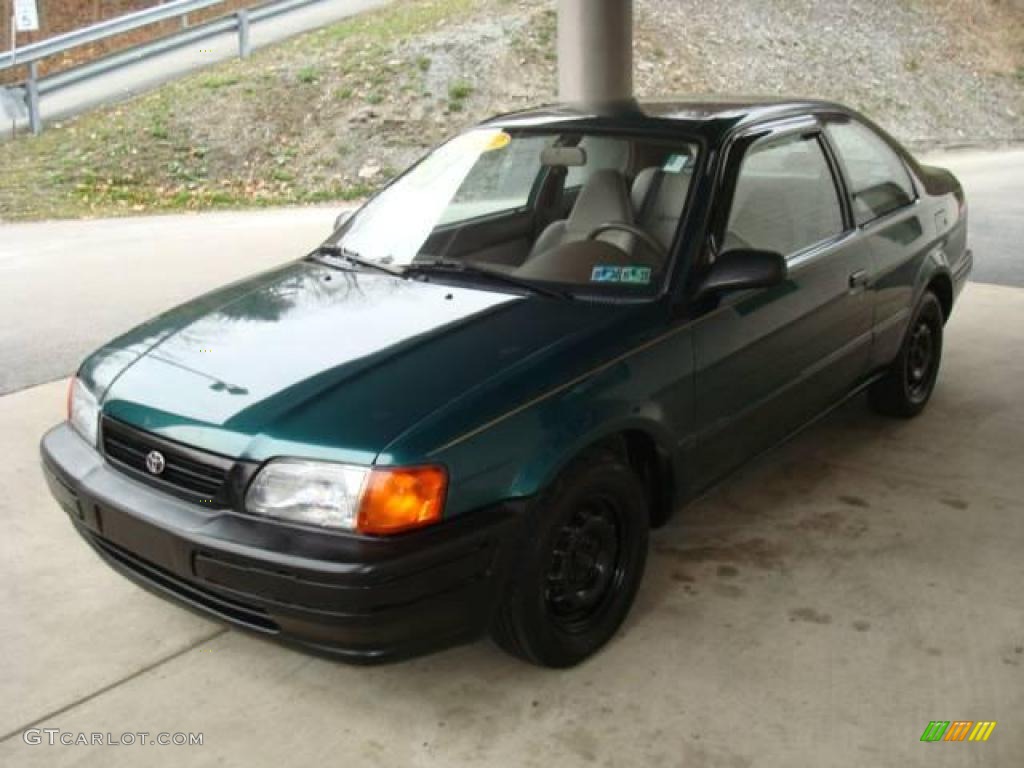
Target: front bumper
x=360, y=598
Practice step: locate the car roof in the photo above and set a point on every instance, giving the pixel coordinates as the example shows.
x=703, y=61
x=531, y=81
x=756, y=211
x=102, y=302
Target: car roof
x=705, y=114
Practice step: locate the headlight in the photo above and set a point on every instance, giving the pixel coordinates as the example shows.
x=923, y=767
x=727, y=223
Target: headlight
x=83, y=410
x=379, y=501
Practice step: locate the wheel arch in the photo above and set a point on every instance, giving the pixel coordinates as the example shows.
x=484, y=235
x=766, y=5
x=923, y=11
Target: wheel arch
x=646, y=447
x=941, y=284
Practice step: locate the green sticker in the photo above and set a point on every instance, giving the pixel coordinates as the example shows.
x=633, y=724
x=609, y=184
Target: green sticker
x=606, y=274
x=641, y=275
x=675, y=163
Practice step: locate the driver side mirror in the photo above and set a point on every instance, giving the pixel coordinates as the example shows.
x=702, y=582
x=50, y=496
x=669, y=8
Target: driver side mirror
x=740, y=269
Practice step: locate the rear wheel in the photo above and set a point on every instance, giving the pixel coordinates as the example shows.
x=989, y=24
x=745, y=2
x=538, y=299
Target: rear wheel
x=582, y=565
x=905, y=389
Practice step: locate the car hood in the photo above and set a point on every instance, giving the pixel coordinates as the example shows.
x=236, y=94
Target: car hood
x=308, y=360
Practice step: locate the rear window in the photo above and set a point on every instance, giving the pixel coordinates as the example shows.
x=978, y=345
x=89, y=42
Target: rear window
x=603, y=153
x=879, y=182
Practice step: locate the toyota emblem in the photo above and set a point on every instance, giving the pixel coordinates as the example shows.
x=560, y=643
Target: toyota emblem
x=155, y=462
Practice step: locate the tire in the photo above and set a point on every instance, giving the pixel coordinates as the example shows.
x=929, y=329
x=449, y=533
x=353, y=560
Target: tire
x=581, y=564
x=908, y=384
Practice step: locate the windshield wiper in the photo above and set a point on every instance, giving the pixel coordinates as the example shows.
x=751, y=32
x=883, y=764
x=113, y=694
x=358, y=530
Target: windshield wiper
x=336, y=251
x=468, y=268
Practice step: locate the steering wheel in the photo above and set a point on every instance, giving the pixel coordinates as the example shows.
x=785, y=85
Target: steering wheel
x=638, y=233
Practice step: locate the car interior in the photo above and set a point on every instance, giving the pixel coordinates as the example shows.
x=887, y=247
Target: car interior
x=595, y=201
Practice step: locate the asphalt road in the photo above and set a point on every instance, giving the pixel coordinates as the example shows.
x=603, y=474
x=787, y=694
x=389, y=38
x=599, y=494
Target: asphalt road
x=67, y=287
x=142, y=76
x=994, y=182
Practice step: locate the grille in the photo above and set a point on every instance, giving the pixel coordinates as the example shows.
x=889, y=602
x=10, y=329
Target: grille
x=192, y=473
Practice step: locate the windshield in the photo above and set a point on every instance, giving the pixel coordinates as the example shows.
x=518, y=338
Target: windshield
x=580, y=211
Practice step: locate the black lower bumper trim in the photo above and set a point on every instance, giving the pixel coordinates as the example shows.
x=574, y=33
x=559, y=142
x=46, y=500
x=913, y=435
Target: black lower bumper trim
x=359, y=598
x=166, y=583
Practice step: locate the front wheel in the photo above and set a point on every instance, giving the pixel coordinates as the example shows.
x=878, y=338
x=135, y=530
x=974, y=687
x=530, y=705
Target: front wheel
x=907, y=386
x=581, y=567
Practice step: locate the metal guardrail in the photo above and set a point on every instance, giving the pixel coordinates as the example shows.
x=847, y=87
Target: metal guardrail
x=102, y=30
x=30, y=55
x=239, y=21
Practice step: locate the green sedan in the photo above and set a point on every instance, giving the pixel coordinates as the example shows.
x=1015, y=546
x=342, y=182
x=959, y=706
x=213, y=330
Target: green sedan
x=466, y=409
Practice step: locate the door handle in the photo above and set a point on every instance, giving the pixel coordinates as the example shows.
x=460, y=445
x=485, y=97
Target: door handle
x=859, y=279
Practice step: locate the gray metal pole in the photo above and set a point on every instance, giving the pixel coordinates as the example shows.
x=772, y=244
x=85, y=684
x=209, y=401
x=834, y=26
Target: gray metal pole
x=595, y=51
x=32, y=96
x=244, y=45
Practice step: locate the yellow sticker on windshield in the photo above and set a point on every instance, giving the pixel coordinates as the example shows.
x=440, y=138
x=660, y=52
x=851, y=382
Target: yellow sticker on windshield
x=500, y=140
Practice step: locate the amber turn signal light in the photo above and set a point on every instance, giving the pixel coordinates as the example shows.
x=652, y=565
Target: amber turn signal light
x=403, y=498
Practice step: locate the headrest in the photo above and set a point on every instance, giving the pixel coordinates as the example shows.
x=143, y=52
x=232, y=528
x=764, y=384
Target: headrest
x=671, y=193
x=641, y=186
x=603, y=198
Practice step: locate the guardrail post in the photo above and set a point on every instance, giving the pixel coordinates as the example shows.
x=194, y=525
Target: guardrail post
x=244, y=45
x=32, y=97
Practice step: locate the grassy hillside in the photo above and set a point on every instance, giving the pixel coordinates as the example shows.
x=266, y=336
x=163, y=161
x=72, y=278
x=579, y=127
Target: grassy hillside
x=332, y=114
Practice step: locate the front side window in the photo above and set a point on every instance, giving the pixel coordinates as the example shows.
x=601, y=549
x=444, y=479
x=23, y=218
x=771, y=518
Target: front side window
x=785, y=198
x=490, y=200
x=879, y=182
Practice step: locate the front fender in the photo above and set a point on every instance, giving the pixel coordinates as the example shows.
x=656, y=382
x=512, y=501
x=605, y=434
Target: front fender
x=519, y=453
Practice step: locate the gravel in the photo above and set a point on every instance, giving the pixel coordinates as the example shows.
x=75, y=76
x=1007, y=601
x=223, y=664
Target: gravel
x=930, y=75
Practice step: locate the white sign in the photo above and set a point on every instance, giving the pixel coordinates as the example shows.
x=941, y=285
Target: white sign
x=26, y=16
x=12, y=103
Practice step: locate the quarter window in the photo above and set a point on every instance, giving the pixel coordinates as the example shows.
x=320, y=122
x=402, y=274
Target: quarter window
x=879, y=182
x=785, y=198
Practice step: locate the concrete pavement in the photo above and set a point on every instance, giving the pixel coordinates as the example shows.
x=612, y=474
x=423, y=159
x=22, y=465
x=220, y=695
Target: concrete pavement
x=817, y=610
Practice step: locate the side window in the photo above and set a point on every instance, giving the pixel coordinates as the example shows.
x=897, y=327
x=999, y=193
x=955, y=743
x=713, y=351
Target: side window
x=879, y=182
x=785, y=198
x=603, y=153
x=499, y=181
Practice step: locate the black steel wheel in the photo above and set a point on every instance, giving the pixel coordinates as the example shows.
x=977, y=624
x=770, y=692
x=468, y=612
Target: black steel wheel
x=582, y=566
x=908, y=384
x=585, y=568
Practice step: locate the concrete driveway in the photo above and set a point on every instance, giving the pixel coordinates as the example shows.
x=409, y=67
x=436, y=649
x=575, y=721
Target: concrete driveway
x=818, y=610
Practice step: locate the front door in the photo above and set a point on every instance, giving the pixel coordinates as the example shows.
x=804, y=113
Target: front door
x=767, y=360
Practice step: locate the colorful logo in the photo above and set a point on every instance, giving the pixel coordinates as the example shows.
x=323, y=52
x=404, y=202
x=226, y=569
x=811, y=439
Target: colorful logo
x=958, y=730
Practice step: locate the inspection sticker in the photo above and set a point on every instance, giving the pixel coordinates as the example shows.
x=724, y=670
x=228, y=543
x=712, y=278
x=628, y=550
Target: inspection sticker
x=675, y=163
x=641, y=275
x=609, y=274
x=606, y=274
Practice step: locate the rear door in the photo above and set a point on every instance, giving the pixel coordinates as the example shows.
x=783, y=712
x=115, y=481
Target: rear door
x=769, y=359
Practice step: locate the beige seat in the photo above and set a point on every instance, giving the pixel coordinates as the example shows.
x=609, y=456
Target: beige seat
x=604, y=198
x=658, y=198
